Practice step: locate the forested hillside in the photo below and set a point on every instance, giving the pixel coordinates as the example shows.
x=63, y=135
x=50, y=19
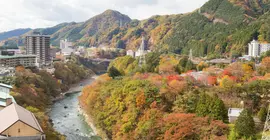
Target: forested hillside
x=218, y=27
x=155, y=102
x=9, y=34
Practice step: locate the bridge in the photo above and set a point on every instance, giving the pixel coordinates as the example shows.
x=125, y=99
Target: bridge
x=99, y=60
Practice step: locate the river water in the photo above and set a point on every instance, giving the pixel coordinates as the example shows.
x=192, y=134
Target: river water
x=67, y=119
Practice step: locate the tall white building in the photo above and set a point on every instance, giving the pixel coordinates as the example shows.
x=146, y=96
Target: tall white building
x=65, y=44
x=255, y=49
x=131, y=53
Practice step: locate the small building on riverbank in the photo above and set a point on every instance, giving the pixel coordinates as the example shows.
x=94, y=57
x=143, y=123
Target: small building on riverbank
x=19, y=123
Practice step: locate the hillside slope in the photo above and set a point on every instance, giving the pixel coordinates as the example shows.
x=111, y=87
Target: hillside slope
x=218, y=27
x=12, y=33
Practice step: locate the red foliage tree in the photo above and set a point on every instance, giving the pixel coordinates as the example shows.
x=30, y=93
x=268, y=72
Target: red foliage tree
x=226, y=72
x=188, y=126
x=212, y=80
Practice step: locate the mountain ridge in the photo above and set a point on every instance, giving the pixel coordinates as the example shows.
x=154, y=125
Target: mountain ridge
x=213, y=29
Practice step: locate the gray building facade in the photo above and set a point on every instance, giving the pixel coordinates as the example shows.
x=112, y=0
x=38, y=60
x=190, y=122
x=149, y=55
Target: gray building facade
x=39, y=45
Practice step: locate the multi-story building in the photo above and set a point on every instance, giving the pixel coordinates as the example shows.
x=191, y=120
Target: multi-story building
x=65, y=44
x=264, y=47
x=53, y=52
x=39, y=45
x=131, y=53
x=15, y=60
x=255, y=49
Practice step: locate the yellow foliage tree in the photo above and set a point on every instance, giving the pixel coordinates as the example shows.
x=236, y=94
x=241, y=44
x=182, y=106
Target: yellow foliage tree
x=140, y=100
x=226, y=82
x=266, y=62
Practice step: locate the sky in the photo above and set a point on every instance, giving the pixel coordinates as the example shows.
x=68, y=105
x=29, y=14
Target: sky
x=16, y=14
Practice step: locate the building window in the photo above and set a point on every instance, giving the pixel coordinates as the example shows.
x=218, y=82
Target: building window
x=19, y=130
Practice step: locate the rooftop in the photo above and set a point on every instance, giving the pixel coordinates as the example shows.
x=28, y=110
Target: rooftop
x=13, y=113
x=234, y=111
x=15, y=56
x=5, y=85
x=37, y=35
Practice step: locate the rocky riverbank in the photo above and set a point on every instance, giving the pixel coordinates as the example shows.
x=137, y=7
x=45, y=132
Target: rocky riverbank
x=90, y=122
x=69, y=119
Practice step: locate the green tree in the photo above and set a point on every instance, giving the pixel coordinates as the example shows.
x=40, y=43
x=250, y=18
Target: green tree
x=245, y=125
x=120, y=44
x=203, y=105
x=232, y=134
x=262, y=114
x=184, y=65
x=218, y=110
x=113, y=72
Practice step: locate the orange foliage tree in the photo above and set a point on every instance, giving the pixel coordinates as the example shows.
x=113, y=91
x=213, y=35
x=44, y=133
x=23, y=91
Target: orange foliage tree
x=140, y=100
x=20, y=69
x=188, y=126
x=266, y=63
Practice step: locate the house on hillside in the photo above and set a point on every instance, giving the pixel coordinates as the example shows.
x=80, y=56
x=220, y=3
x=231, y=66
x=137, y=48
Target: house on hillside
x=5, y=98
x=131, y=53
x=19, y=123
x=233, y=114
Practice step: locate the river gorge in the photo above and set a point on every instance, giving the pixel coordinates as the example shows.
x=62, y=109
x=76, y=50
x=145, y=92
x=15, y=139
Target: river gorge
x=67, y=118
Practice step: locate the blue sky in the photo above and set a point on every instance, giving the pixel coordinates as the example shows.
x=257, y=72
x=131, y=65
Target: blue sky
x=45, y=13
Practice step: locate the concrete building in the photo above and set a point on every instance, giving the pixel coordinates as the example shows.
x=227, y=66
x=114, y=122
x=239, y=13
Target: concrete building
x=53, y=52
x=7, y=71
x=131, y=53
x=140, y=53
x=65, y=44
x=264, y=47
x=67, y=51
x=233, y=114
x=19, y=123
x=15, y=60
x=245, y=58
x=5, y=98
x=255, y=49
x=39, y=45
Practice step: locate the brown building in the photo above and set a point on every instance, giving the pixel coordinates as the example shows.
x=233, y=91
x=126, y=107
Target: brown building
x=19, y=123
x=39, y=45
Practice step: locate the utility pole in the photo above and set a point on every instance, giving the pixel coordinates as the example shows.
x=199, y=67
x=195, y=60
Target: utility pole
x=142, y=53
x=121, y=23
x=190, y=55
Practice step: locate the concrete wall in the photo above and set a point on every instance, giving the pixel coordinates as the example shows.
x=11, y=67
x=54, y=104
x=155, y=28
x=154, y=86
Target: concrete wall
x=21, y=129
x=4, y=89
x=232, y=119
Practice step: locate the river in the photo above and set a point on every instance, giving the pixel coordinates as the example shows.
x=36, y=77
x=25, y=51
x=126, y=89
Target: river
x=67, y=119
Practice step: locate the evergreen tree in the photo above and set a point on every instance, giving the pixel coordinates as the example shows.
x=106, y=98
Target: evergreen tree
x=262, y=114
x=189, y=65
x=245, y=125
x=218, y=110
x=113, y=72
x=203, y=105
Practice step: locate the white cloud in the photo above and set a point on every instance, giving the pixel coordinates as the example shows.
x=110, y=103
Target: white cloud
x=44, y=13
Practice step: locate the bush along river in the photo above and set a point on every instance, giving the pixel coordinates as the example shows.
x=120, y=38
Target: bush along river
x=67, y=118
